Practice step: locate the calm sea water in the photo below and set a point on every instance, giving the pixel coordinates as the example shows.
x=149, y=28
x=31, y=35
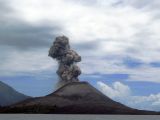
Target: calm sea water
x=76, y=117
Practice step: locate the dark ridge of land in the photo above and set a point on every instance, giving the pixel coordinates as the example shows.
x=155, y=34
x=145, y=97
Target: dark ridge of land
x=9, y=96
x=74, y=98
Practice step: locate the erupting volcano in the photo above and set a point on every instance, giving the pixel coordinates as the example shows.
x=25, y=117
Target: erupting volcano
x=73, y=96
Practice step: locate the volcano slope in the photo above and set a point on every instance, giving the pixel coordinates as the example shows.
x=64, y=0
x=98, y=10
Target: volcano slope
x=73, y=98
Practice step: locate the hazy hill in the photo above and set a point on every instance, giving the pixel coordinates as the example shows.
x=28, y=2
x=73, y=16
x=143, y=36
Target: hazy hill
x=73, y=98
x=9, y=96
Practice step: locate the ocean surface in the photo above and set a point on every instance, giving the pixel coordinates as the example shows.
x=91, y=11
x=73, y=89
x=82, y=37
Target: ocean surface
x=76, y=117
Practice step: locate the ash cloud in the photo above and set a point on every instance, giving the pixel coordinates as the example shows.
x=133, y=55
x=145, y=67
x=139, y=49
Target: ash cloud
x=67, y=58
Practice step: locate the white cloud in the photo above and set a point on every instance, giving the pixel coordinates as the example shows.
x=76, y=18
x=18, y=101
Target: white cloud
x=122, y=93
x=117, y=90
x=27, y=62
x=145, y=72
x=121, y=28
x=85, y=23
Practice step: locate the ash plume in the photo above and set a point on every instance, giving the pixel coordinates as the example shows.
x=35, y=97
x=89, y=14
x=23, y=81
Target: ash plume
x=67, y=71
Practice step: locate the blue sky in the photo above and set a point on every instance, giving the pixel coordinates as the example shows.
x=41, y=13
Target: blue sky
x=118, y=40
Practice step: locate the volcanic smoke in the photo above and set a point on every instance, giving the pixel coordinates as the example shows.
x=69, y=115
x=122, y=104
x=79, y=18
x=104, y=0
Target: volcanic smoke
x=67, y=71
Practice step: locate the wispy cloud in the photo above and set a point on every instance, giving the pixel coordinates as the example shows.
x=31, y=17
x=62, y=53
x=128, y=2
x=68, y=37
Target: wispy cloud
x=26, y=62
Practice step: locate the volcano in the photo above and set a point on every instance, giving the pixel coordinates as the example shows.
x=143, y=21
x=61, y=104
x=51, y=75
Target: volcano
x=73, y=98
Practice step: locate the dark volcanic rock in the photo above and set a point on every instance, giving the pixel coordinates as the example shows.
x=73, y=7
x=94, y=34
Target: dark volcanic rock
x=73, y=98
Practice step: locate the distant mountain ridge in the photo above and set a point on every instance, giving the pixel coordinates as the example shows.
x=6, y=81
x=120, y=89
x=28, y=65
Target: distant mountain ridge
x=74, y=98
x=9, y=96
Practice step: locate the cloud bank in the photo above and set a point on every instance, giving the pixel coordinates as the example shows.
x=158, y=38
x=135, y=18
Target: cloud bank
x=122, y=93
x=118, y=29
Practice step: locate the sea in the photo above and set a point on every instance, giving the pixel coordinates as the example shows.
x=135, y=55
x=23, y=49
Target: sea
x=76, y=117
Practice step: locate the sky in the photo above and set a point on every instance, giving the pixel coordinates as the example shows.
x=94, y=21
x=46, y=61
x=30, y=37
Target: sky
x=118, y=40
